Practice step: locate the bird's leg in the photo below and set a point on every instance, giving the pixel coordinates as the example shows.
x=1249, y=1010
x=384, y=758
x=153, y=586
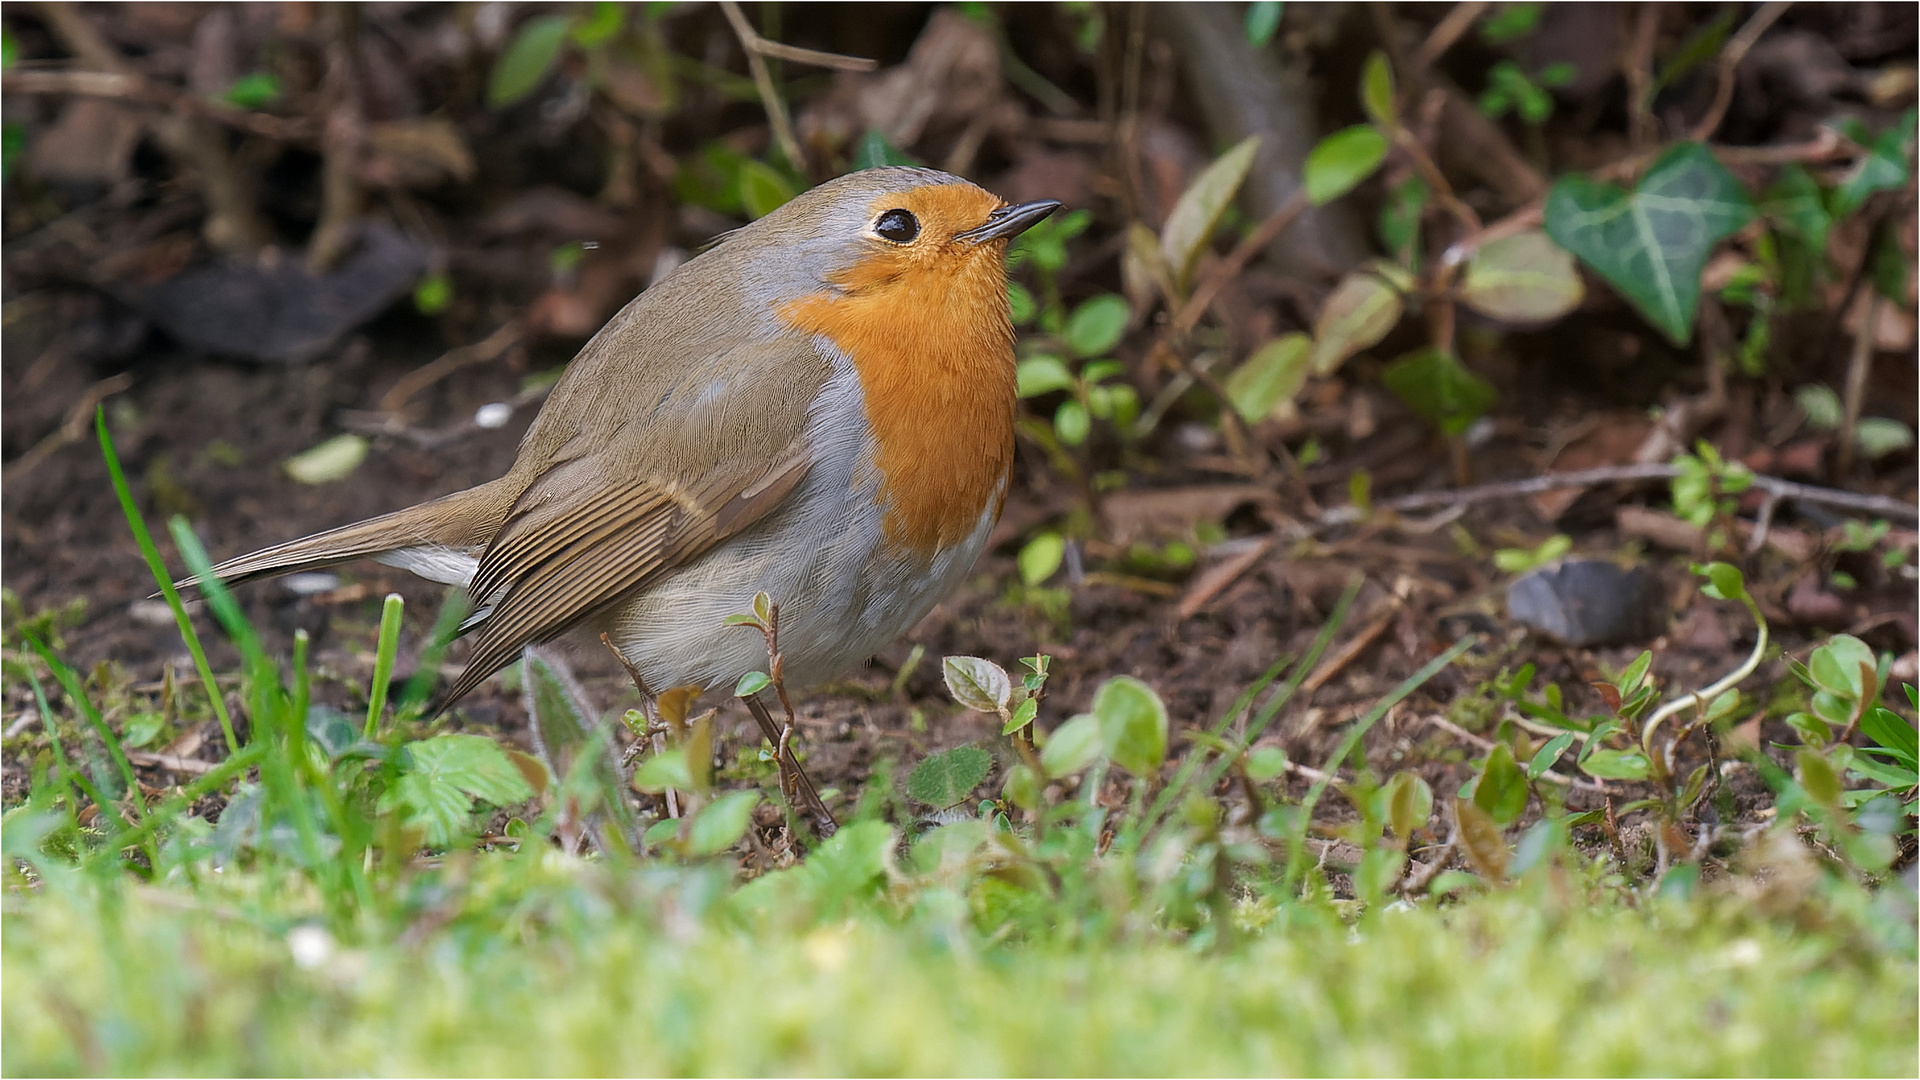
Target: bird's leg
x=656, y=727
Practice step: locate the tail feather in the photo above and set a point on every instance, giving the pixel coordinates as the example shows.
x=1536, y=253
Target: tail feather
x=463, y=521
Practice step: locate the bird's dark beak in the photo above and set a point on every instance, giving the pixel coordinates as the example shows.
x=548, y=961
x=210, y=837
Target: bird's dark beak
x=1010, y=221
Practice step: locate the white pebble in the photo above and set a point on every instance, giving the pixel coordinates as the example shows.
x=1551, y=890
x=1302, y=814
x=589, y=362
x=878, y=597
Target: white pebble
x=494, y=414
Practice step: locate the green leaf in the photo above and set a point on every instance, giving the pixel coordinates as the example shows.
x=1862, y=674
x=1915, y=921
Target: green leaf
x=1272, y=375
x=1022, y=715
x=1263, y=20
x=1817, y=776
x=1096, y=325
x=1794, y=202
x=1546, y=756
x=763, y=189
x=1524, y=278
x=1883, y=168
x=1341, y=161
x=1652, y=243
x=527, y=59
x=1133, y=724
x=256, y=90
x=1636, y=673
x=1836, y=667
x=1437, y=387
x=10, y=49
x=1361, y=310
x=1884, y=726
x=1199, y=207
x=1071, y=423
x=875, y=151
x=1020, y=304
x=721, y=823
x=1266, y=763
x=1724, y=581
x=1821, y=405
x=445, y=774
x=1409, y=804
x=1376, y=90
x=976, y=683
x=947, y=778
x=1041, y=557
x=1072, y=746
x=1878, y=436
x=604, y=20
x=433, y=293
x=1510, y=22
x=663, y=771
x=1042, y=374
x=332, y=460
x=752, y=683
x=1399, y=223
x=1617, y=765
x=1502, y=787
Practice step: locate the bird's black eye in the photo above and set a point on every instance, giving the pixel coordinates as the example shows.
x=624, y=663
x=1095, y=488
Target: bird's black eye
x=898, y=226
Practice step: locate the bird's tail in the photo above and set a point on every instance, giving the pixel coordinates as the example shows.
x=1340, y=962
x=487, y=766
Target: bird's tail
x=449, y=530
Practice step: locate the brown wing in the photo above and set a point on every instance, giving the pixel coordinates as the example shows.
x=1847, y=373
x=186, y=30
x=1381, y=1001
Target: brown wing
x=561, y=561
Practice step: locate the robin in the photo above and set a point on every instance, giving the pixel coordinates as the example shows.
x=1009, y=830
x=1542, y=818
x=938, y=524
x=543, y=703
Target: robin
x=820, y=408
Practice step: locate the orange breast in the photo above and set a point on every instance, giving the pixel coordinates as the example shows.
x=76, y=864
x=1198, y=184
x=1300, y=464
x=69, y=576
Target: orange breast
x=928, y=330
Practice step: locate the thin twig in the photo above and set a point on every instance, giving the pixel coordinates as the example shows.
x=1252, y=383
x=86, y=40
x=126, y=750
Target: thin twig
x=1859, y=363
x=1446, y=32
x=770, y=98
x=1730, y=57
x=480, y=352
x=134, y=89
x=1880, y=505
x=72, y=428
x=1638, y=68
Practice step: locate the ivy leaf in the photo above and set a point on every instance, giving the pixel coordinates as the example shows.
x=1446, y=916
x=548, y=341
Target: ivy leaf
x=1200, y=206
x=1524, y=278
x=947, y=778
x=1794, y=201
x=1436, y=386
x=1273, y=374
x=445, y=774
x=527, y=59
x=1884, y=167
x=1651, y=243
x=1341, y=160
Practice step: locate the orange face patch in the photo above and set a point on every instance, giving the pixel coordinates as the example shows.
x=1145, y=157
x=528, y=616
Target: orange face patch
x=927, y=327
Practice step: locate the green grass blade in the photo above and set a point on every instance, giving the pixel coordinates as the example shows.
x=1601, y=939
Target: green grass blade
x=452, y=611
x=138, y=525
x=70, y=680
x=390, y=612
